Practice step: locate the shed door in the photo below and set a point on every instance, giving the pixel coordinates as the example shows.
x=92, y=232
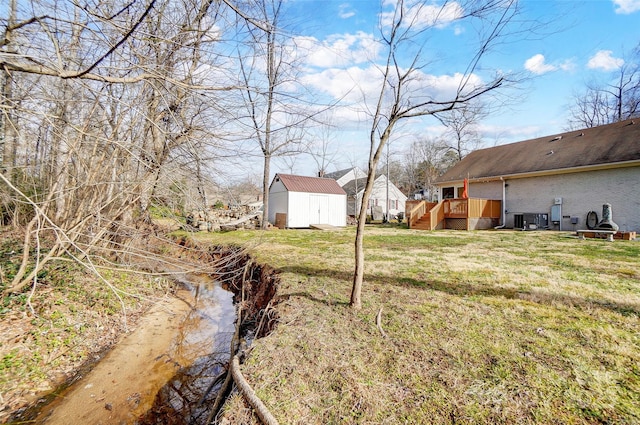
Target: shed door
x=318, y=209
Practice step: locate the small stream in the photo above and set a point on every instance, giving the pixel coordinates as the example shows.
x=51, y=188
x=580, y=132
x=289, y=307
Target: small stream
x=170, y=369
x=207, y=332
x=175, y=384
x=188, y=397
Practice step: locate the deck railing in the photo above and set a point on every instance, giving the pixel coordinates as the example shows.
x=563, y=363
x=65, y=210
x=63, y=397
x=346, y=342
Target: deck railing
x=487, y=208
x=454, y=208
x=437, y=214
x=416, y=213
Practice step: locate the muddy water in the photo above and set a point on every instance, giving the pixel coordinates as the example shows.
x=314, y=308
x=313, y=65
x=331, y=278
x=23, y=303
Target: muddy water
x=161, y=371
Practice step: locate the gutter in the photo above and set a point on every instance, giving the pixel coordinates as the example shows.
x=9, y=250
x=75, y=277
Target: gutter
x=553, y=171
x=504, y=204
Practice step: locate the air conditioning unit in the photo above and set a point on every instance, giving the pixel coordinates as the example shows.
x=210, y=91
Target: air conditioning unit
x=531, y=221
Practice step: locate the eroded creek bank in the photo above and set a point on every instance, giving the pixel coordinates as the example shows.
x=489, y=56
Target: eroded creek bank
x=171, y=369
x=193, y=396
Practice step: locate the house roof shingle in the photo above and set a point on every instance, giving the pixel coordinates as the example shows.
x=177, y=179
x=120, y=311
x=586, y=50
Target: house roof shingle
x=337, y=175
x=608, y=144
x=355, y=186
x=295, y=183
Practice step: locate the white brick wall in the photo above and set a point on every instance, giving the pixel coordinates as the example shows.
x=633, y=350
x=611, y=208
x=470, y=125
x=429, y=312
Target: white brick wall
x=580, y=193
x=489, y=190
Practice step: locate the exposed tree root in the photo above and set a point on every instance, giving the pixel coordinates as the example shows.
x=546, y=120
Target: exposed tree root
x=254, y=286
x=261, y=410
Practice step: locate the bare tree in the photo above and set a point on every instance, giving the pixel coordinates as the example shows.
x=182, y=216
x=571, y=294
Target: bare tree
x=617, y=100
x=462, y=136
x=103, y=101
x=423, y=163
x=400, y=96
x=321, y=150
x=8, y=146
x=273, y=97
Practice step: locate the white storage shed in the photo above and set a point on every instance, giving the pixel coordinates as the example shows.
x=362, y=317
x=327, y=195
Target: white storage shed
x=300, y=201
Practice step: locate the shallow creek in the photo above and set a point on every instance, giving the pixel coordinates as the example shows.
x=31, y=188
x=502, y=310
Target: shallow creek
x=164, y=371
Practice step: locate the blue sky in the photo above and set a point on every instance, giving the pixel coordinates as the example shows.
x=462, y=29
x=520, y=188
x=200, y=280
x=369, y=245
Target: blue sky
x=583, y=41
x=336, y=43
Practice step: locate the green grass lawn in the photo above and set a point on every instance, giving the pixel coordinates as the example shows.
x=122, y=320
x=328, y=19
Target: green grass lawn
x=481, y=327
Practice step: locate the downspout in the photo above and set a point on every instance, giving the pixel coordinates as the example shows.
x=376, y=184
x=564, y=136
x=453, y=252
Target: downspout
x=504, y=204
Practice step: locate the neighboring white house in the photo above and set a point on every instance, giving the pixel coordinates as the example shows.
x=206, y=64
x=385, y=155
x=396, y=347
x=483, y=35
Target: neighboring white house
x=306, y=200
x=562, y=178
x=345, y=176
x=387, y=197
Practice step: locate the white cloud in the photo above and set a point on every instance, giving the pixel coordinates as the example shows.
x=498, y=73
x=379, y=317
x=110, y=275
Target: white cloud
x=338, y=50
x=626, y=7
x=537, y=65
x=345, y=11
x=604, y=61
x=568, y=65
x=422, y=15
x=356, y=90
x=358, y=87
x=349, y=84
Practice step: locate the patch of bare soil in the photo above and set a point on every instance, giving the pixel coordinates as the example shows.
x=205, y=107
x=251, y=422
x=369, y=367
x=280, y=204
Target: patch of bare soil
x=69, y=329
x=123, y=385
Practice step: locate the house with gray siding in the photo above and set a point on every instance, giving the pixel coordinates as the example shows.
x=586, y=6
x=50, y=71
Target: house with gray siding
x=555, y=182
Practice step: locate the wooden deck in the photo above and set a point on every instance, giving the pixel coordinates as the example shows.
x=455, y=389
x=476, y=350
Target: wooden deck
x=460, y=214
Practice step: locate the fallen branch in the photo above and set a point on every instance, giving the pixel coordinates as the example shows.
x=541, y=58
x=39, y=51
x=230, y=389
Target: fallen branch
x=245, y=389
x=379, y=324
x=220, y=398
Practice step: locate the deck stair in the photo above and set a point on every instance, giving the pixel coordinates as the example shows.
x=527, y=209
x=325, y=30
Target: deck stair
x=423, y=223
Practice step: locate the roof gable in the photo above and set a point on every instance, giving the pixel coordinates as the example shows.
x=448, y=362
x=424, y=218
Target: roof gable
x=608, y=144
x=295, y=183
x=344, y=176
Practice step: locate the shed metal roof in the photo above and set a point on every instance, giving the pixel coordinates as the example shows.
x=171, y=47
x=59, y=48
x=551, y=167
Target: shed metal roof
x=616, y=143
x=295, y=183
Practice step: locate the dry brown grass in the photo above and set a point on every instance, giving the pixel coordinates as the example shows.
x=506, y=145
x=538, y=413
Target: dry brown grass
x=483, y=327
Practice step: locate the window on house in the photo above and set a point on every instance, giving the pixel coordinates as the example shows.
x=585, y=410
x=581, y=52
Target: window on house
x=448, y=192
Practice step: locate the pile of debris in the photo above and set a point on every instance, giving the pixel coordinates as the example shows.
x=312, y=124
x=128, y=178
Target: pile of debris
x=225, y=219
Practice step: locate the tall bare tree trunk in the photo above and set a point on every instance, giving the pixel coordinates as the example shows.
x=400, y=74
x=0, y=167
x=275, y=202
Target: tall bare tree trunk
x=8, y=138
x=265, y=192
x=396, y=101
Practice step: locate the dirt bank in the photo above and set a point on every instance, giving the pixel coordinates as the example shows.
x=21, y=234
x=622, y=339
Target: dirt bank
x=254, y=285
x=123, y=384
